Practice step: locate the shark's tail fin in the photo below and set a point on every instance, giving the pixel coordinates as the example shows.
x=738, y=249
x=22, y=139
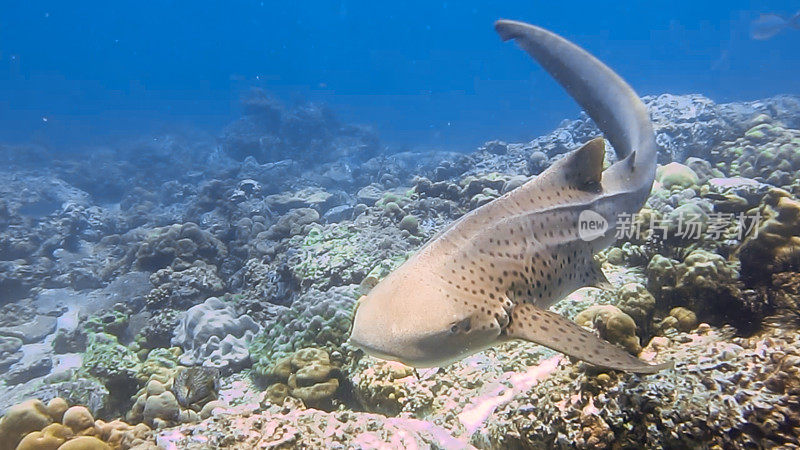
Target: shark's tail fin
x=794, y=21
x=606, y=97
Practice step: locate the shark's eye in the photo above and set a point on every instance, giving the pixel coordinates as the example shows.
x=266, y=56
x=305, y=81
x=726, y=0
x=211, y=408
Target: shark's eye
x=463, y=325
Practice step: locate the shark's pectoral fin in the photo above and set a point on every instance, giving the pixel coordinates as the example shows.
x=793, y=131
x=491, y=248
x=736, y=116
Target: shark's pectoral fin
x=554, y=331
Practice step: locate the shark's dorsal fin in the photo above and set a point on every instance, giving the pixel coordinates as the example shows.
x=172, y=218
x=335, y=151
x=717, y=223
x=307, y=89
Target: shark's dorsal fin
x=584, y=168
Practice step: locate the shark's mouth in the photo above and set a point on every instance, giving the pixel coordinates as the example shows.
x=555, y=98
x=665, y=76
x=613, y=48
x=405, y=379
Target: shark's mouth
x=374, y=352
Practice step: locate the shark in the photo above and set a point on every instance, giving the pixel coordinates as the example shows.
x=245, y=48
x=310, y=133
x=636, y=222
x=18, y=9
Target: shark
x=491, y=275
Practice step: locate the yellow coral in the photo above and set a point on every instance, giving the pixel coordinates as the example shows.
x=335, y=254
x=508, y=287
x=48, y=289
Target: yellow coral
x=56, y=408
x=85, y=443
x=613, y=325
x=21, y=419
x=50, y=438
x=308, y=375
x=775, y=247
x=79, y=419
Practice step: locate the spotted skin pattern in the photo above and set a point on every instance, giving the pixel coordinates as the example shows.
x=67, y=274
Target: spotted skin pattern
x=491, y=275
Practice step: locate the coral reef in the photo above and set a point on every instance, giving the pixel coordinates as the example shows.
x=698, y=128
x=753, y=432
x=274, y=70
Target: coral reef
x=675, y=175
x=32, y=425
x=774, y=246
x=309, y=133
x=306, y=375
x=315, y=319
x=185, y=287
x=767, y=152
x=113, y=364
x=342, y=254
x=706, y=284
x=178, y=246
x=144, y=289
x=213, y=335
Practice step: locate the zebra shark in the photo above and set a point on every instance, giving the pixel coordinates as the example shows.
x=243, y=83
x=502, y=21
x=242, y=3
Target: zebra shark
x=491, y=275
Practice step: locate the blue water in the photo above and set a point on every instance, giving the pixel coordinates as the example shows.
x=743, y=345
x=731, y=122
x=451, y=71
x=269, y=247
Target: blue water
x=422, y=73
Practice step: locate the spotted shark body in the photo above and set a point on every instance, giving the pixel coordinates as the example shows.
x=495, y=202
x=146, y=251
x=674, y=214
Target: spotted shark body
x=491, y=275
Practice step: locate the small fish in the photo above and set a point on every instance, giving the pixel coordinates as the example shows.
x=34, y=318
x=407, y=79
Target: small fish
x=769, y=24
x=491, y=275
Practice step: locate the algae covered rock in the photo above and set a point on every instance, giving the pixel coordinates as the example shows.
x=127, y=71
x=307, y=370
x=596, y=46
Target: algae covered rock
x=409, y=223
x=113, y=321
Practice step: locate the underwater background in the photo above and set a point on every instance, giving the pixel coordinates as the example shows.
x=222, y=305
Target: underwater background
x=194, y=196
x=423, y=73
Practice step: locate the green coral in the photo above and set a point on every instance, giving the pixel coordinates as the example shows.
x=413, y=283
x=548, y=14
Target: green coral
x=114, y=321
x=767, y=152
x=676, y=175
x=409, y=223
x=316, y=319
x=108, y=360
x=331, y=252
x=160, y=364
x=114, y=365
x=342, y=254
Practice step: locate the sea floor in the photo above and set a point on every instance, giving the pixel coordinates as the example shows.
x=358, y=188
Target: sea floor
x=179, y=293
